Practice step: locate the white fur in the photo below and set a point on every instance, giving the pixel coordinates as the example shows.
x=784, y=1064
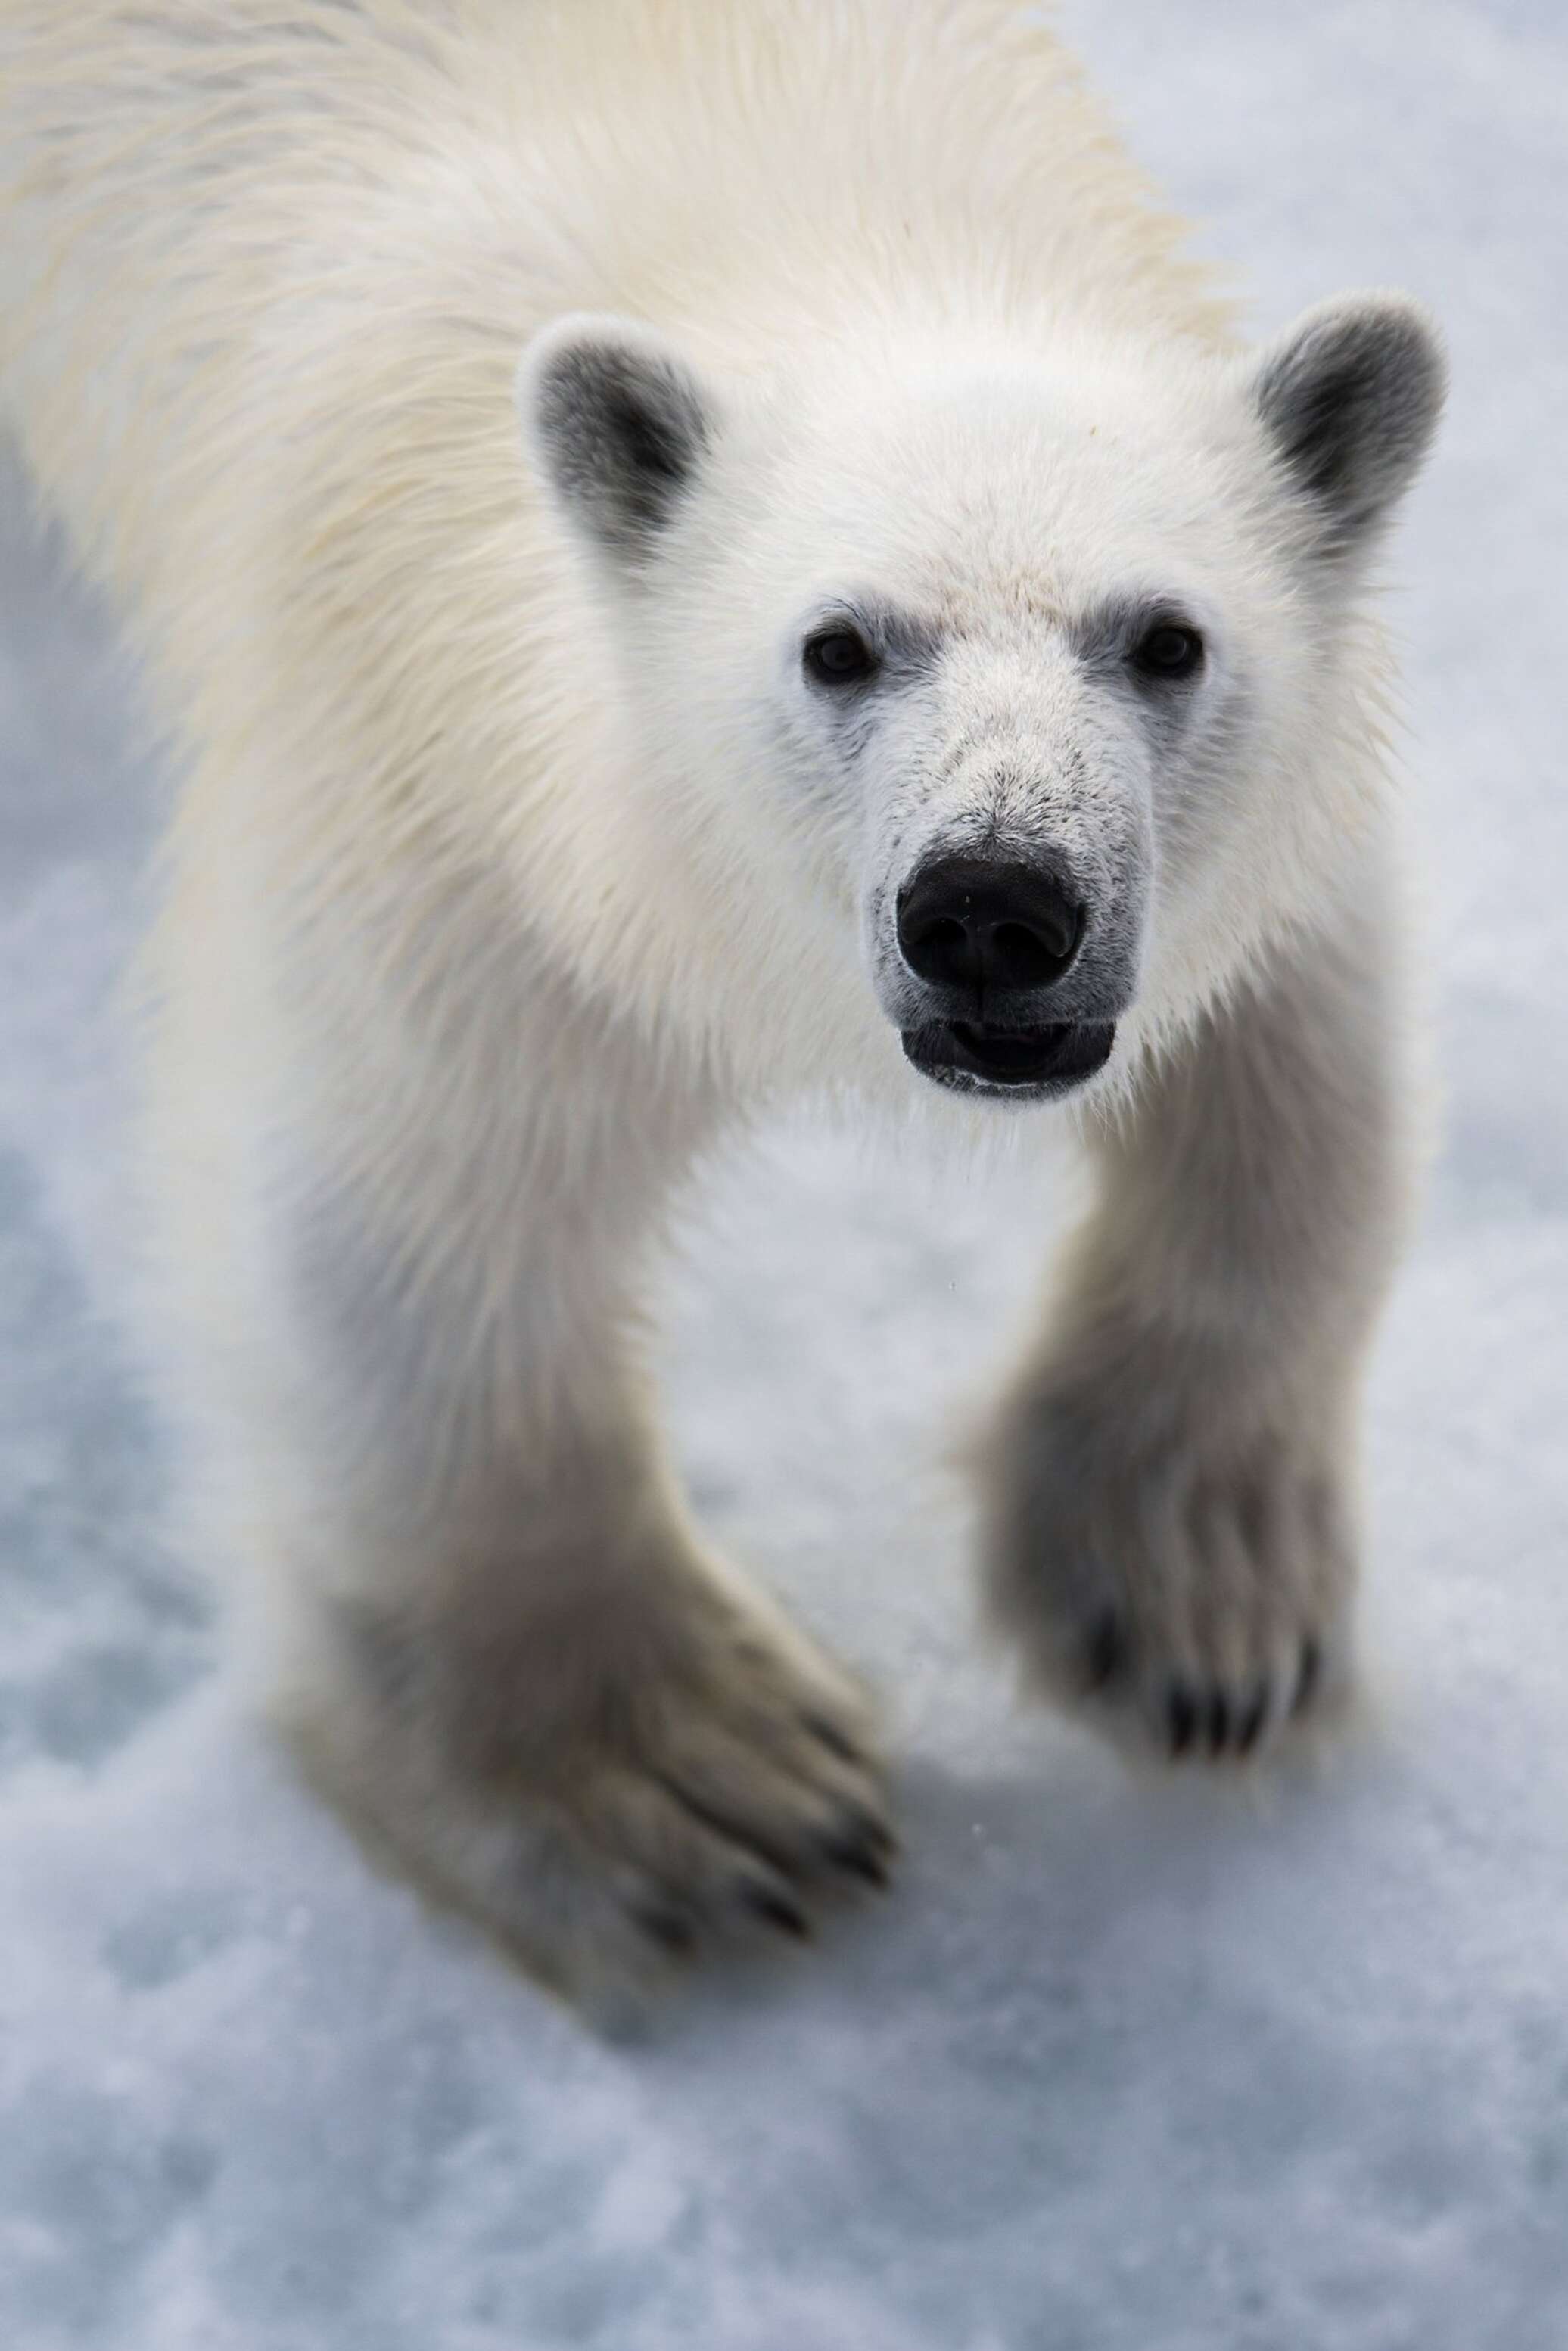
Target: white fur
x=500, y=878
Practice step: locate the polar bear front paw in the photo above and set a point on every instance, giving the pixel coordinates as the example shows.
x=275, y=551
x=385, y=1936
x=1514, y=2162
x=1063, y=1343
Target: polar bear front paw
x=609, y=1790
x=1179, y=1573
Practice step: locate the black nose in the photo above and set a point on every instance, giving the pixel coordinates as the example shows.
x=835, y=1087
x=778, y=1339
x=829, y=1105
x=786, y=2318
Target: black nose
x=989, y=928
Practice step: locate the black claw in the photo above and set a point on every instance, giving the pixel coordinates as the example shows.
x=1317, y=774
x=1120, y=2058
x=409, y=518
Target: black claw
x=1217, y=1721
x=778, y=1911
x=872, y=1828
x=830, y=1736
x=863, y=1856
x=1252, y=1721
x=1107, y=1650
x=1307, y=1679
x=671, y=1929
x=861, y=1842
x=1181, y=1716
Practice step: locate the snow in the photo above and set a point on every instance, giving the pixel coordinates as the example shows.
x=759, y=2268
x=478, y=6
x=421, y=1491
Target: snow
x=1121, y=2065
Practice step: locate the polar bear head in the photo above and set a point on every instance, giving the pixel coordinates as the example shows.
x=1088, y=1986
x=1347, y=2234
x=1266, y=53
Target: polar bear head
x=1025, y=696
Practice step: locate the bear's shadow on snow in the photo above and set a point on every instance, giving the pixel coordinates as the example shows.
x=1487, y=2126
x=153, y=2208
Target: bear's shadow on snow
x=1067, y=1951
x=1048, y=1895
x=120, y=1629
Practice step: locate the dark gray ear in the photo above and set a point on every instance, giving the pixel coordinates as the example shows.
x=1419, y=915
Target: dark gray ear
x=1350, y=395
x=617, y=423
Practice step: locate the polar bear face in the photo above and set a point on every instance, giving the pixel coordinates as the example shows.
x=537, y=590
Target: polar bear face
x=1035, y=677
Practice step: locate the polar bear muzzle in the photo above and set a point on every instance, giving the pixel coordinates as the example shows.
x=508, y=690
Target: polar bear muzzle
x=988, y=940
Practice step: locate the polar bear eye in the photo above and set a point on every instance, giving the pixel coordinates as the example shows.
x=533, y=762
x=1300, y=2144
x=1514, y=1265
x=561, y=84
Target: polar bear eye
x=839, y=656
x=1170, y=649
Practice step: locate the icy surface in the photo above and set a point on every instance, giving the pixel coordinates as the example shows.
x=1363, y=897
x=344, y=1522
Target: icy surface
x=1120, y=2067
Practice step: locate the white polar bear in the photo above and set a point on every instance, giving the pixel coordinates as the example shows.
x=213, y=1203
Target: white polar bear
x=907, y=644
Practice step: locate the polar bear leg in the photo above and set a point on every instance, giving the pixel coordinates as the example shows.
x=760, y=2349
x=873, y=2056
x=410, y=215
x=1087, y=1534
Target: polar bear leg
x=1170, y=1495
x=498, y=1641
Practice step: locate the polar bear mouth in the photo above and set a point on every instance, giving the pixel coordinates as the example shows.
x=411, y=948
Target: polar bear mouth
x=1020, y=1062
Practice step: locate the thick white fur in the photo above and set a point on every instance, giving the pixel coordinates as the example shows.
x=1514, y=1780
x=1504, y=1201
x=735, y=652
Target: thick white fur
x=498, y=883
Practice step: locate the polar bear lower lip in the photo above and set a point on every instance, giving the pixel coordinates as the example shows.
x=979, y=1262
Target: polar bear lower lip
x=967, y=1055
x=1010, y=1053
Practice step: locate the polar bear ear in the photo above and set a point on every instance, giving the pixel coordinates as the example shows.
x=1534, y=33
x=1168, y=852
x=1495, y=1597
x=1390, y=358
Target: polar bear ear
x=1348, y=396
x=618, y=424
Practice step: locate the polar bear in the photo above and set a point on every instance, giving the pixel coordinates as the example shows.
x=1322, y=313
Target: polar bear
x=694, y=554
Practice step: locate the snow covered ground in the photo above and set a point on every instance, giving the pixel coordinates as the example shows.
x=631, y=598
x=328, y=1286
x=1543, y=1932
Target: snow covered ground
x=1118, y=2067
